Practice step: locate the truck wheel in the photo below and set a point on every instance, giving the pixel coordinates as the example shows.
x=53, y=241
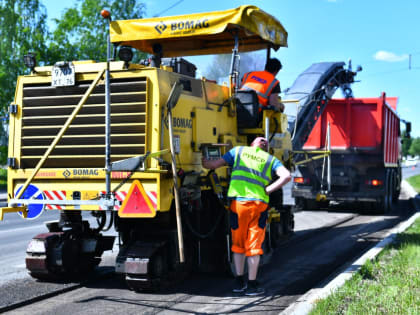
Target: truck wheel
x=384, y=205
x=300, y=204
x=393, y=190
x=312, y=204
x=367, y=207
x=323, y=204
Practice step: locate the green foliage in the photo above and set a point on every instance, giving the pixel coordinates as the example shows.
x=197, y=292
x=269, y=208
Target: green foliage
x=415, y=147
x=406, y=143
x=367, y=270
x=415, y=182
x=22, y=29
x=388, y=285
x=3, y=177
x=81, y=32
x=3, y=154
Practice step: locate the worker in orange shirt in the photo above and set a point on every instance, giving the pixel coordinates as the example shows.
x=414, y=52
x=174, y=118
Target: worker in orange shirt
x=265, y=84
x=250, y=186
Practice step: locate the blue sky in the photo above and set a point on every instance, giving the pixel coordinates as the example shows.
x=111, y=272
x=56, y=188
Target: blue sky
x=379, y=35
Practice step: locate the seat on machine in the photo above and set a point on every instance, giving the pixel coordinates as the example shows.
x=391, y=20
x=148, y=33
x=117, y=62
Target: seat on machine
x=247, y=109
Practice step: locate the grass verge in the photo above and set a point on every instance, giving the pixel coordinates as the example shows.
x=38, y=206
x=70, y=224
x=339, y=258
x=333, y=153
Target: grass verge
x=415, y=182
x=390, y=284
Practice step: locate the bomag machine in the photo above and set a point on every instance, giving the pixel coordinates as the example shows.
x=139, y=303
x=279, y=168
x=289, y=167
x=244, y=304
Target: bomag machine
x=124, y=142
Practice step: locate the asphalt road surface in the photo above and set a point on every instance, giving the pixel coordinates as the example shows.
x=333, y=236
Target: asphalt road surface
x=16, y=232
x=204, y=294
x=297, y=266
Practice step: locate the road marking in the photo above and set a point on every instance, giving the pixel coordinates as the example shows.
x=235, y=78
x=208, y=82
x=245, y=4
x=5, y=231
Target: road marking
x=32, y=227
x=20, y=266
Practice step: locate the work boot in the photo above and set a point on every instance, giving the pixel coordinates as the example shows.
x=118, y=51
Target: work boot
x=254, y=288
x=240, y=285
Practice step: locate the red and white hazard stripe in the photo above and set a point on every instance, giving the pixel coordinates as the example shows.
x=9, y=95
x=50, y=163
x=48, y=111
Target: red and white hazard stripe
x=120, y=196
x=153, y=198
x=54, y=195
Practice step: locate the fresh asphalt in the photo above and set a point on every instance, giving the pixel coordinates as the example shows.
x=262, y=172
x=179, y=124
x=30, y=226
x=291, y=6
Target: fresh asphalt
x=16, y=232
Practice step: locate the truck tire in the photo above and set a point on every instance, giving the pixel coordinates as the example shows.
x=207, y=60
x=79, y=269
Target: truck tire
x=312, y=204
x=300, y=204
x=384, y=205
x=393, y=190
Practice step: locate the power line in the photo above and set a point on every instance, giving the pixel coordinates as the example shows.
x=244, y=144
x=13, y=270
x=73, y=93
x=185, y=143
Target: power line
x=167, y=9
x=391, y=71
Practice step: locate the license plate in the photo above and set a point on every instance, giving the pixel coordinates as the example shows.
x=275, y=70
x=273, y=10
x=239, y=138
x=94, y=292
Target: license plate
x=63, y=75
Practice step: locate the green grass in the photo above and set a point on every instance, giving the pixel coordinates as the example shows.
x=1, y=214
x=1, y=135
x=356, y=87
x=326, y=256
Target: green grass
x=390, y=284
x=3, y=178
x=415, y=182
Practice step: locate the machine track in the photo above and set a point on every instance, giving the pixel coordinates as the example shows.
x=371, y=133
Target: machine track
x=69, y=250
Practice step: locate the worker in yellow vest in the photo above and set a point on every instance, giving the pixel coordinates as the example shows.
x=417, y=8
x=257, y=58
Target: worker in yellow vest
x=265, y=84
x=249, y=189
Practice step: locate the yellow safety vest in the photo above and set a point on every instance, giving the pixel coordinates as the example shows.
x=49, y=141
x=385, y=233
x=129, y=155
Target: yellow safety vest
x=251, y=173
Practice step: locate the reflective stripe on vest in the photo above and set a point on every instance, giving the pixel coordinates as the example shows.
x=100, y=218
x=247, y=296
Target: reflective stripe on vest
x=249, y=182
x=263, y=175
x=262, y=82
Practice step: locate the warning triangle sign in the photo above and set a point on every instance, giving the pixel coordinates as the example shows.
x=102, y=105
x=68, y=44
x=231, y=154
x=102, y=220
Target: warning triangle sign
x=137, y=204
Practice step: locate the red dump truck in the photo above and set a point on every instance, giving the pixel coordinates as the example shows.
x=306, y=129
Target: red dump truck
x=365, y=163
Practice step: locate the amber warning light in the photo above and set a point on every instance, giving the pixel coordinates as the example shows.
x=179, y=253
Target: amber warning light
x=106, y=14
x=374, y=182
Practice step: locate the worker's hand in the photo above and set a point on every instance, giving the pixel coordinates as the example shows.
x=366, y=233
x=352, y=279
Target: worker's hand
x=281, y=105
x=279, y=108
x=204, y=161
x=212, y=164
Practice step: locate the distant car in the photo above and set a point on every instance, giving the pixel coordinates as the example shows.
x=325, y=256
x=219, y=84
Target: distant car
x=410, y=163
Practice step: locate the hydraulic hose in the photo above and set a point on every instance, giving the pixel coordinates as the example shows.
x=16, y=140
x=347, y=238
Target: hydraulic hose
x=111, y=222
x=100, y=219
x=209, y=233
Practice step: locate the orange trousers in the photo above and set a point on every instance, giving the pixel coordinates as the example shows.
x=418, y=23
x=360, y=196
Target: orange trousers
x=248, y=220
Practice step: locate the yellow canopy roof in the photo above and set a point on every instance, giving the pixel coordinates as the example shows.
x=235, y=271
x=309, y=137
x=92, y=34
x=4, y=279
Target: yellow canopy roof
x=202, y=33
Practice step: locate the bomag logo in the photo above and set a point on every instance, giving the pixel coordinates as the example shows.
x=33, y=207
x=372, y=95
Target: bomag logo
x=182, y=122
x=253, y=157
x=188, y=26
x=85, y=172
x=161, y=27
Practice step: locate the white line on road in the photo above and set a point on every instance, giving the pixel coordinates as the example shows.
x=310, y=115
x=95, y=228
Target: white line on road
x=20, y=266
x=13, y=230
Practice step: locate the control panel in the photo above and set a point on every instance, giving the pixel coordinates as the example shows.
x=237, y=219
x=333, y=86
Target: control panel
x=211, y=152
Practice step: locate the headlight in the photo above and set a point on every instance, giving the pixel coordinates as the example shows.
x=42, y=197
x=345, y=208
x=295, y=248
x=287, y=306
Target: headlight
x=36, y=246
x=126, y=55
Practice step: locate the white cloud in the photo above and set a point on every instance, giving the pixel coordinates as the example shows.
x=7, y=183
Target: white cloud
x=387, y=56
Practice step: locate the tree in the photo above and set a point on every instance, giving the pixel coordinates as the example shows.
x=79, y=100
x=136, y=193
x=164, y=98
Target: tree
x=415, y=147
x=22, y=29
x=81, y=32
x=220, y=68
x=406, y=143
